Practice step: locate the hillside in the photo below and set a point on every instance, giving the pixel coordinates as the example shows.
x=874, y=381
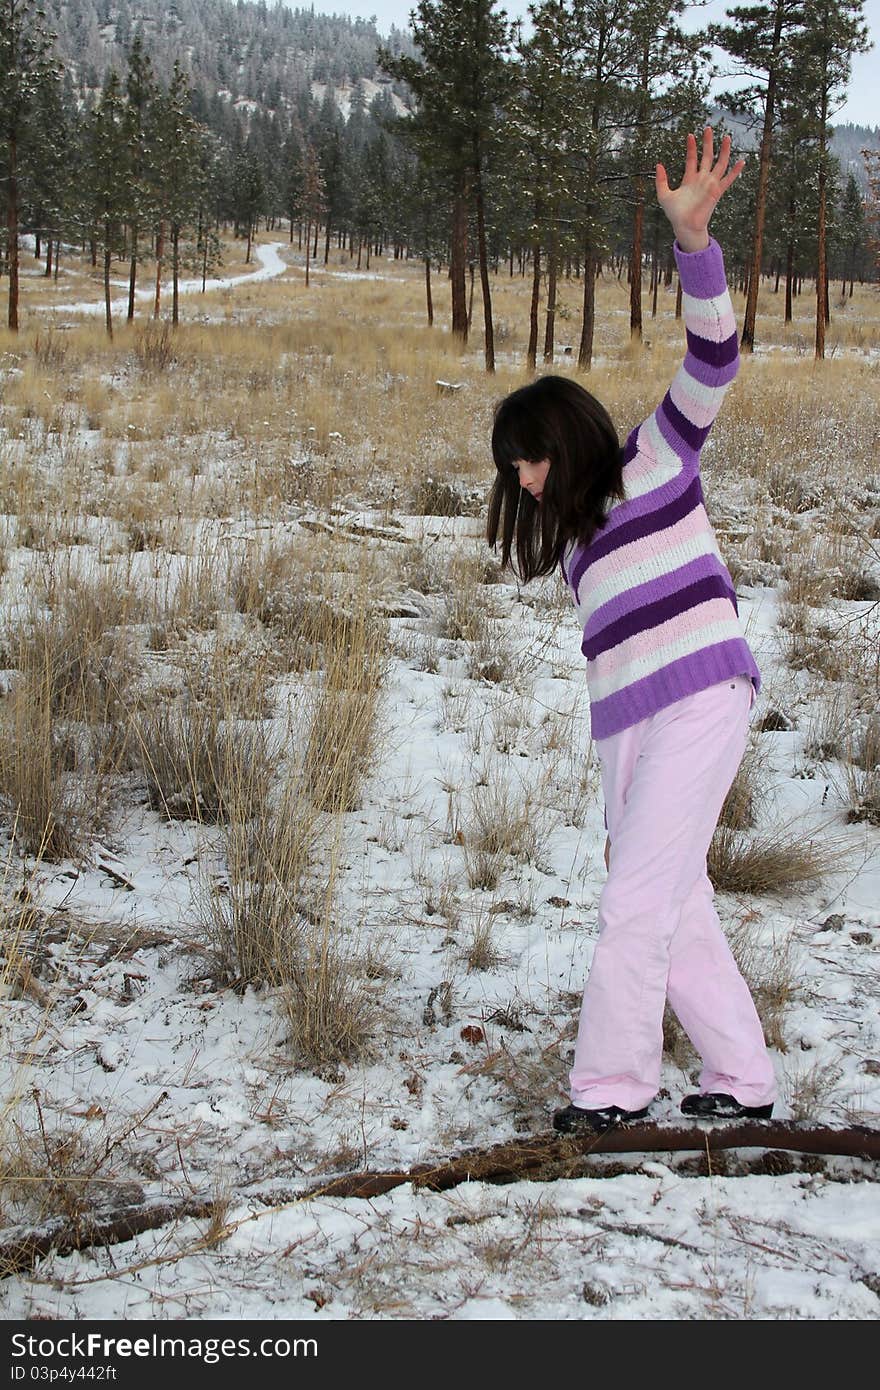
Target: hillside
x=248, y=52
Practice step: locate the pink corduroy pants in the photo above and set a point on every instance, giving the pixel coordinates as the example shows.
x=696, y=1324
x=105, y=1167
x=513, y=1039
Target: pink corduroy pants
x=665, y=780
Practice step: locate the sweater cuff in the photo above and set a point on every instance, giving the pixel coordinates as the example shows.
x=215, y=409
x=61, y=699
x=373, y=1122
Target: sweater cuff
x=701, y=272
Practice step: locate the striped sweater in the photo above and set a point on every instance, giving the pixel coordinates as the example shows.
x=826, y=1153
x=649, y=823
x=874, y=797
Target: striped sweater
x=653, y=595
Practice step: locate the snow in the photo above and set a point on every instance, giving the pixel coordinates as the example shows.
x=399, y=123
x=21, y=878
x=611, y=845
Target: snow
x=190, y=1085
x=271, y=266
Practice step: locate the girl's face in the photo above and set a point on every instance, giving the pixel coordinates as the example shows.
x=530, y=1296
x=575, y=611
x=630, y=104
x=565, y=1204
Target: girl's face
x=532, y=476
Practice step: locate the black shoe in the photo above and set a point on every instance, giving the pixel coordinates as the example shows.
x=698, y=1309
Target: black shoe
x=573, y=1120
x=715, y=1105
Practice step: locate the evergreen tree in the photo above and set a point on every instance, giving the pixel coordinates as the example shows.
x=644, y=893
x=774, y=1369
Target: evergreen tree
x=760, y=40
x=460, y=81
x=833, y=31
x=141, y=93
x=108, y=175
x=27, y=64
x=853, y=233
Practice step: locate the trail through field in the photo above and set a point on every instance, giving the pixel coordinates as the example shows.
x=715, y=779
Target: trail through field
x=271, y=266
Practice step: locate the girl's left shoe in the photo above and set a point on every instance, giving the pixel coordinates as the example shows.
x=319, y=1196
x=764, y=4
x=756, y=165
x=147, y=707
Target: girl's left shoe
x=574, y=1120
x=717, y=1105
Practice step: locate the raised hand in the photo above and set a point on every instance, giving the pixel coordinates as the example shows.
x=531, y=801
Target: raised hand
x=690, y=206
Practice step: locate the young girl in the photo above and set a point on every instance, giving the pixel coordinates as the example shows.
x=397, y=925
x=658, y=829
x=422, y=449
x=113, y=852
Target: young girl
x=671, y=682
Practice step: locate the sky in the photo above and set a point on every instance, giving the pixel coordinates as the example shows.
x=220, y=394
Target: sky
x=863, y=102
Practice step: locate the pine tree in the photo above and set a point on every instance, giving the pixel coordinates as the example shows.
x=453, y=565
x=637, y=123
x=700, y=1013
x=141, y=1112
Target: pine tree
x=853, y=229
x=141, y=92
x=833, y=31
x=601, y=46
x=108, y=177
x=760, y=41
x=27, y=64
x=180, y=165
x=460, y=82
x=662, y=86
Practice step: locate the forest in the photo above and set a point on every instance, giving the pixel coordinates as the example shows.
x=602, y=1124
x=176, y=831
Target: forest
x=140, y=137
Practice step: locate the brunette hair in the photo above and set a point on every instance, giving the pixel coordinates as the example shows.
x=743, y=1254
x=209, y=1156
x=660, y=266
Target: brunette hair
x=552, y=418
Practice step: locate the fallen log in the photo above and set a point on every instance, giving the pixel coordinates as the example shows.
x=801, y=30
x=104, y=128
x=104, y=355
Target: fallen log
x=527, y=1158
x=519, y=1157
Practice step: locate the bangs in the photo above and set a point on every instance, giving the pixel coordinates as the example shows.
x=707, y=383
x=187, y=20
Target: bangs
x=520, y=432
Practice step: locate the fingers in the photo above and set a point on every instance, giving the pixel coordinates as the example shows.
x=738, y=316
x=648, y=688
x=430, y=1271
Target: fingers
x=690, y=157
x=734, y=174
x=707, y=155
x=662, y=183
x=723, y=158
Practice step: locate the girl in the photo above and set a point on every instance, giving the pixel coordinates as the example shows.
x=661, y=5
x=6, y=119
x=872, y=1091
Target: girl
x=671, y=682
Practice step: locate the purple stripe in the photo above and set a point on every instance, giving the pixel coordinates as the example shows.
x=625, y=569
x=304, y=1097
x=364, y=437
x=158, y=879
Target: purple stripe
x=633, y=599
x=701, y=272
x=674, y=682
x=657, y=520
x=706, y=375
x=693, y=435
x=713, y=354
x=631, y=448
x=653, y=614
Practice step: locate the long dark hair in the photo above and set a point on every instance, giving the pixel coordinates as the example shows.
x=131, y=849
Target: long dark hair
x=552, y=418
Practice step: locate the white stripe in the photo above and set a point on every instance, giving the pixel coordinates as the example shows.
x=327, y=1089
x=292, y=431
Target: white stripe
x=664, y=466
x=663, y=656
x=685, y=389
x=718, y=308
x=646, y=569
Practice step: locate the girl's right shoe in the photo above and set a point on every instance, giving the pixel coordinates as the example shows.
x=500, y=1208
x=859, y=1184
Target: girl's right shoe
x=574, y=1120
x=717, y=1105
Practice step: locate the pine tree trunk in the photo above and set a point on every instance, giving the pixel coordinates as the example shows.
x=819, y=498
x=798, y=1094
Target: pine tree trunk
x=488, y=326
x=429, y=299
x=458, y=267
x=175, y=275
x=308, y=248
x=635, y=263
x=747, y=340
x=550, y=321
x=789, y=278
x=12, y=233
x=821, y=270
x=327, y=244
x=532, y=349
x=315, y=251
x=655, y=272
x=160, y=252
x=48, y=271
x=470, y=306
x=132, y=271
x=678, y=301
x=585, y=350
x=108, y=313
x=250, y=239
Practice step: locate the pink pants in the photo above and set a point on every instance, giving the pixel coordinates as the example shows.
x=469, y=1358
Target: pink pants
x=665, y=780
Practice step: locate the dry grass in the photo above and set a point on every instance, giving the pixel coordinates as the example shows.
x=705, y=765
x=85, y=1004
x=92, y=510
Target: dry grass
x=195, y=763
x=739, y=811
x=343, y=710
x=64, y=725
x=501, y=820
x=772, y=861
x=771, y=974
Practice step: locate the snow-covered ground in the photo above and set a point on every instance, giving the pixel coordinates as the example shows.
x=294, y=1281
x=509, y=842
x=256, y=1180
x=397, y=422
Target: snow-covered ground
x=271, y=266
x=161, y=1079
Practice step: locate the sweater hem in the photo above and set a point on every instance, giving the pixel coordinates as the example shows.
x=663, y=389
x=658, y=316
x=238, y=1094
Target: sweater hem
x=686, y=676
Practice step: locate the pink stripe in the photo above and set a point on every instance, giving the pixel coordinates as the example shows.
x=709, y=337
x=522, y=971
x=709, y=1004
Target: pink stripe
x=716, y=610
x=696, y=523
